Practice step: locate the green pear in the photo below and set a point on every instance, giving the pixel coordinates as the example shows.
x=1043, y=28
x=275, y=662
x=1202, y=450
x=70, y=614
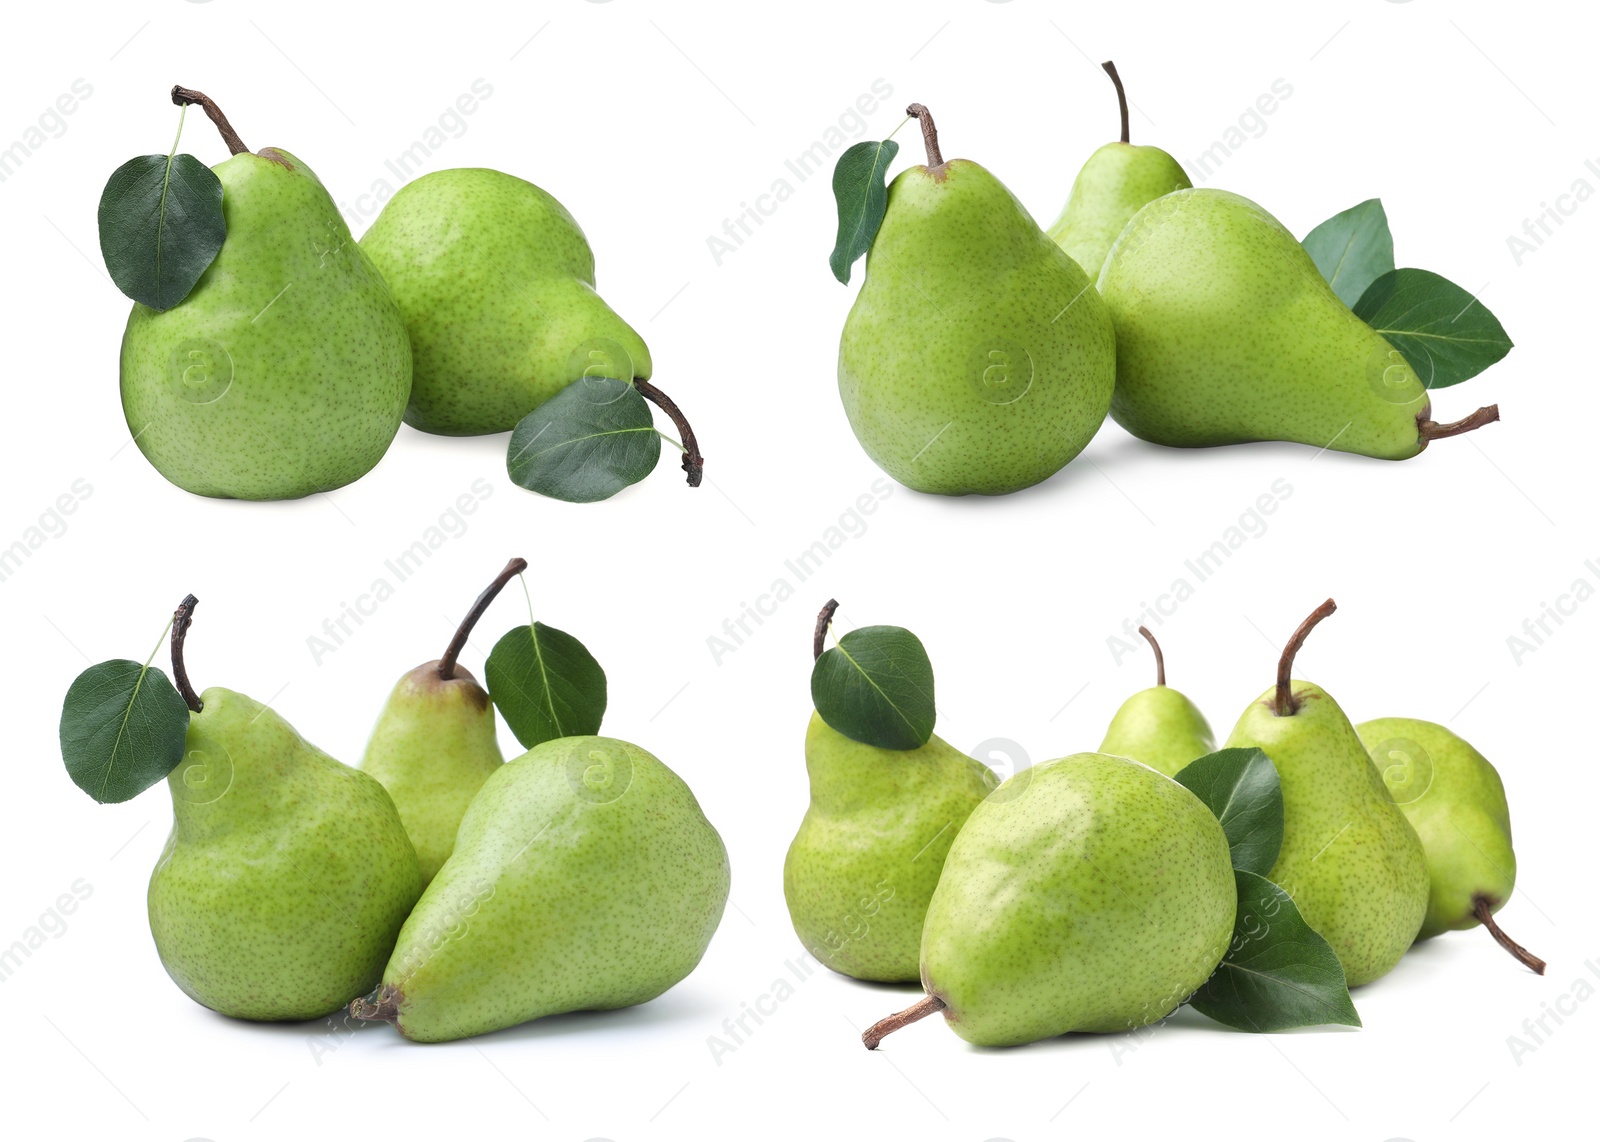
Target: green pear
x=1350, y=859
x=1227, y=332
x=1114, y=183
x=496, y=282
x=287, y=875
x=584, y=878
x=864, y=864
x=977, y=357
x=287, y=368
x=1454, y=799
x=1089, y=893
x=1159, y=726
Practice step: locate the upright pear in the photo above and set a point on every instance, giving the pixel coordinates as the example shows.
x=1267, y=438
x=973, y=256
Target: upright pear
x=1159, y=726
x=1350, y=859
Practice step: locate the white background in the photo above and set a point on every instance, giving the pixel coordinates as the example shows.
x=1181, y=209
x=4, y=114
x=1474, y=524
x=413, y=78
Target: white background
x=653, y=125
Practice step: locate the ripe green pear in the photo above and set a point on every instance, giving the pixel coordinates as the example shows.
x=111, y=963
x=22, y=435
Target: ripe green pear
x=864, y=864
x=1160, y=726
x=496, y=282
x=287, y=875
x=584, y=878
x=977, y=357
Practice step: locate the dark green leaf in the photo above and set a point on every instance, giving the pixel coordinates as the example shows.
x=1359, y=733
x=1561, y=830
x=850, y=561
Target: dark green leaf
x=1445, y=332
x=1278, y=973
x=858, y=185
x=160, y=226
x=876, y=687
x=545, y=684
x=1241, y=787
x=122, y=729
x=586, y=443
x=1352, y=249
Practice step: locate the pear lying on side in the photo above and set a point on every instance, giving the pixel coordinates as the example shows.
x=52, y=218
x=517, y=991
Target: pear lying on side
x=1454, y=799
x=1159, y=726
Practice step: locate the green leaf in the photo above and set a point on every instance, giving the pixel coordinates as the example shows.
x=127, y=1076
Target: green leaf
x=863, y=196
x=1278, y=973
x=122, y=729
x=1446, y=333
x=876, y=687
x=545, y=684
x=161, y=225
x=1352, y=249
x=1241, y=787
x=586, y=443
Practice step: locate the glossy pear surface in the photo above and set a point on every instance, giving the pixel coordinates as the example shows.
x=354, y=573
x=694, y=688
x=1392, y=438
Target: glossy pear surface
x=496, y=282
x=286, y=876
x=1113, y=185
x=1227, y=332
x=977, y=357
x=864, y=864
x=1090, y=893
x=1160, y=727
x=287, y=368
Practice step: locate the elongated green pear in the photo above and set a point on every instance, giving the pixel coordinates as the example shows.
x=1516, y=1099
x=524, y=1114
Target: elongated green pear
x=434, y=745
x=1227, y=332
x=1114, y=183
x=1455, y=800
x=1089, y=893
x=287, y=368
x=1350, y=859
x=977, y=357
x=584, y=878
x=1159, y=726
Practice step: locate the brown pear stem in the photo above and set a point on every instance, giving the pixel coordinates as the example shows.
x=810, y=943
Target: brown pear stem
x=1161, y=666
x=824, y=617
x=921, y=1009
x=383, y=1004
x=181, y=618
x=1480, y=908
x=447, y=663
x=693, y=463
x=1283, y=703
x=186, y=95
x=1122, y=96
x=930, y=134
x=1432, y=430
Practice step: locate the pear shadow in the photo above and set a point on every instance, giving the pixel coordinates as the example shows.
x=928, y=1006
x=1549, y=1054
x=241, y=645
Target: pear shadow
x=673, y=1008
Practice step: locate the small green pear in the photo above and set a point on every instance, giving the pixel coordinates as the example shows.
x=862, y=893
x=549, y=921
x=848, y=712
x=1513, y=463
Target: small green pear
x=1089, y=893
x=1454, y=799
x=1159, y=726
x=1350, y=859
x=977, y=357
x=1113, y=185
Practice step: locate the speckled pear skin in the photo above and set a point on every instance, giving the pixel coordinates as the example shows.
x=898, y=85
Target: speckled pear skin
x=584, y=878
x=433, y=748
x=496, y=282
x=864, y=864
x=287, y=875
x=1226, y=332
x=977, y=356
x=286, y=370
x=1089, y=893
x=1116, y=181
x=1454, y=799
x=1160, y=727
x=1350, y=859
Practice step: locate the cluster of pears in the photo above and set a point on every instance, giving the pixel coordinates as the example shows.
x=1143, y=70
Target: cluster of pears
x=983, y=353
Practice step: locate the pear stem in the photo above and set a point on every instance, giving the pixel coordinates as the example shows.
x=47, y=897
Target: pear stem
x=181, y=618
x=1283, y=703
x=1122, y=96
x=921, y=1009
x=930, y=134
x=1480, y=908
x=693, y=463
x=824, y=618
x=183, y=96
x=1161, y=666
x=1432, y=430
x=447, y=663
x=384, y=1004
